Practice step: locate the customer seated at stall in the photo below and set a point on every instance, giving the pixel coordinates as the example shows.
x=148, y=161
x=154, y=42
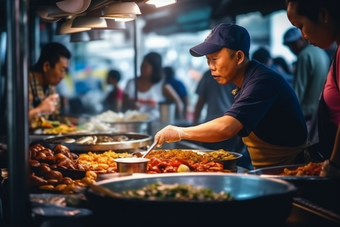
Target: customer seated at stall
x=46, y=73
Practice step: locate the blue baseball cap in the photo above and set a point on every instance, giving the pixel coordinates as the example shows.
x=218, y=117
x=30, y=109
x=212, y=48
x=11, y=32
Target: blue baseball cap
x=291, y=35
x=231, y=36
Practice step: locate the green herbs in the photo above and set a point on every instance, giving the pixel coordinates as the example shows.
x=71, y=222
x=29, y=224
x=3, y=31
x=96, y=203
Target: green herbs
x=181, y=192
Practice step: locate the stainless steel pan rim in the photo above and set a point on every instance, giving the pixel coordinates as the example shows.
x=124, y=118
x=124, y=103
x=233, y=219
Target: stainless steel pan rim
x=136, y=141
x=282, y=185
x=274, y=172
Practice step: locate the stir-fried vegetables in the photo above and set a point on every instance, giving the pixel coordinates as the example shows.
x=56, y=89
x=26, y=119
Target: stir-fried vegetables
x=182, y=192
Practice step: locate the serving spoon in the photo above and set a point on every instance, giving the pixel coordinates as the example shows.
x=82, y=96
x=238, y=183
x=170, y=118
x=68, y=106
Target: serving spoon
x=153, y=145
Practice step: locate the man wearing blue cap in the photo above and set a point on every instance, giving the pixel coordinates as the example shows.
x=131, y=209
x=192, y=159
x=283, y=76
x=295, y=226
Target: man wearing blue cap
x=310, y=70
x=266, y=112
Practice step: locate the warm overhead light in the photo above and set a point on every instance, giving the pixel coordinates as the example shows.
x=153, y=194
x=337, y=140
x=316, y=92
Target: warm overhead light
x=160, y=3
x=89, y=22
x=113, y=25
x=120, y=17
x=66, y=27
x=121, y=11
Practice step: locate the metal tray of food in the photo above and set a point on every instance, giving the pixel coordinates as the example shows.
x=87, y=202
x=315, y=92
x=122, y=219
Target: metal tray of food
x=99, y=142
x=323, y=191
x=277, y=171
x=228, y=162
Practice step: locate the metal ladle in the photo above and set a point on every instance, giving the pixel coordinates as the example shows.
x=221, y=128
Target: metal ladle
x=153, y=145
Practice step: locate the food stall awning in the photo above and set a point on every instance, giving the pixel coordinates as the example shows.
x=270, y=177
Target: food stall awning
x=191, y=16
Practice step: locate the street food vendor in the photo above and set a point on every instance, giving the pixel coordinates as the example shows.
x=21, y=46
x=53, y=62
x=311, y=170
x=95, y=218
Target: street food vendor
x=47, y=72
x=266, y=112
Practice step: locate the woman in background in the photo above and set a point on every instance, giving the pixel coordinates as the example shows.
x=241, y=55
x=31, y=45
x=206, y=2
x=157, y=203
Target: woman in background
x=151, y=89
x=319, y=22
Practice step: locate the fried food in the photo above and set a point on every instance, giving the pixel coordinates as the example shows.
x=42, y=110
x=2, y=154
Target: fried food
x=311, y=169
x=191, y=156
x=41, y=122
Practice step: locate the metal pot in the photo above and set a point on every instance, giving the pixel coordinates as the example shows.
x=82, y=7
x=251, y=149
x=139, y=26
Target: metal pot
x=258, y=201
x=132, y=165
x=143, y=127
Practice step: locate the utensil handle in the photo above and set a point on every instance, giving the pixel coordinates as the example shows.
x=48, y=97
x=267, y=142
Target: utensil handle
x=153, y=145
x=104, y=191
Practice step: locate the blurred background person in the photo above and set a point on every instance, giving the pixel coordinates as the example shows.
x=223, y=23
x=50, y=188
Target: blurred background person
x=47, y=72
x=180, y=89
x=217, y=99
x=310, y=70
x=89, y=92
x=262, y=55
x=284, y=69
x=151, y=89
x=114, y=98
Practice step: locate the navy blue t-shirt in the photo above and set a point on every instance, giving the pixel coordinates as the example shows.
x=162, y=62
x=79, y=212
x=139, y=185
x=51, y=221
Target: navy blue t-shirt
x=268, y=106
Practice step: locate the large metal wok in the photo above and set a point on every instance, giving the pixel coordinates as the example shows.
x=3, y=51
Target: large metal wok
x=258, y=201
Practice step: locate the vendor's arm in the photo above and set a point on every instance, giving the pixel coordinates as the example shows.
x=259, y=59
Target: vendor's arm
x=47, y=106
x=219, y=129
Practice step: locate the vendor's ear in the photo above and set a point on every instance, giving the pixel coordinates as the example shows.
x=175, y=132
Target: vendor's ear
x=323, y=15
x=239, y=56
x=46, y=66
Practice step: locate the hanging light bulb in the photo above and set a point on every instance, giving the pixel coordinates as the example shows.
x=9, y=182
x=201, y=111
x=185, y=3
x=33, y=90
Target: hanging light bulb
x=160, y=3
x=121, y=17
x=113, y=25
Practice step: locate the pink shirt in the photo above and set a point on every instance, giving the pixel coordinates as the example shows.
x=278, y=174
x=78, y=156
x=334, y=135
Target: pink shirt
x=331, y=92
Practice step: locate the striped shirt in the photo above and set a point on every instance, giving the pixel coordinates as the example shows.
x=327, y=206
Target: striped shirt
x=37, y=93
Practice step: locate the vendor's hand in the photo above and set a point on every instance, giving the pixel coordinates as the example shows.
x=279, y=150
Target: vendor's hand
x=329, y=170
x=169, y=134
x=49, y=104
